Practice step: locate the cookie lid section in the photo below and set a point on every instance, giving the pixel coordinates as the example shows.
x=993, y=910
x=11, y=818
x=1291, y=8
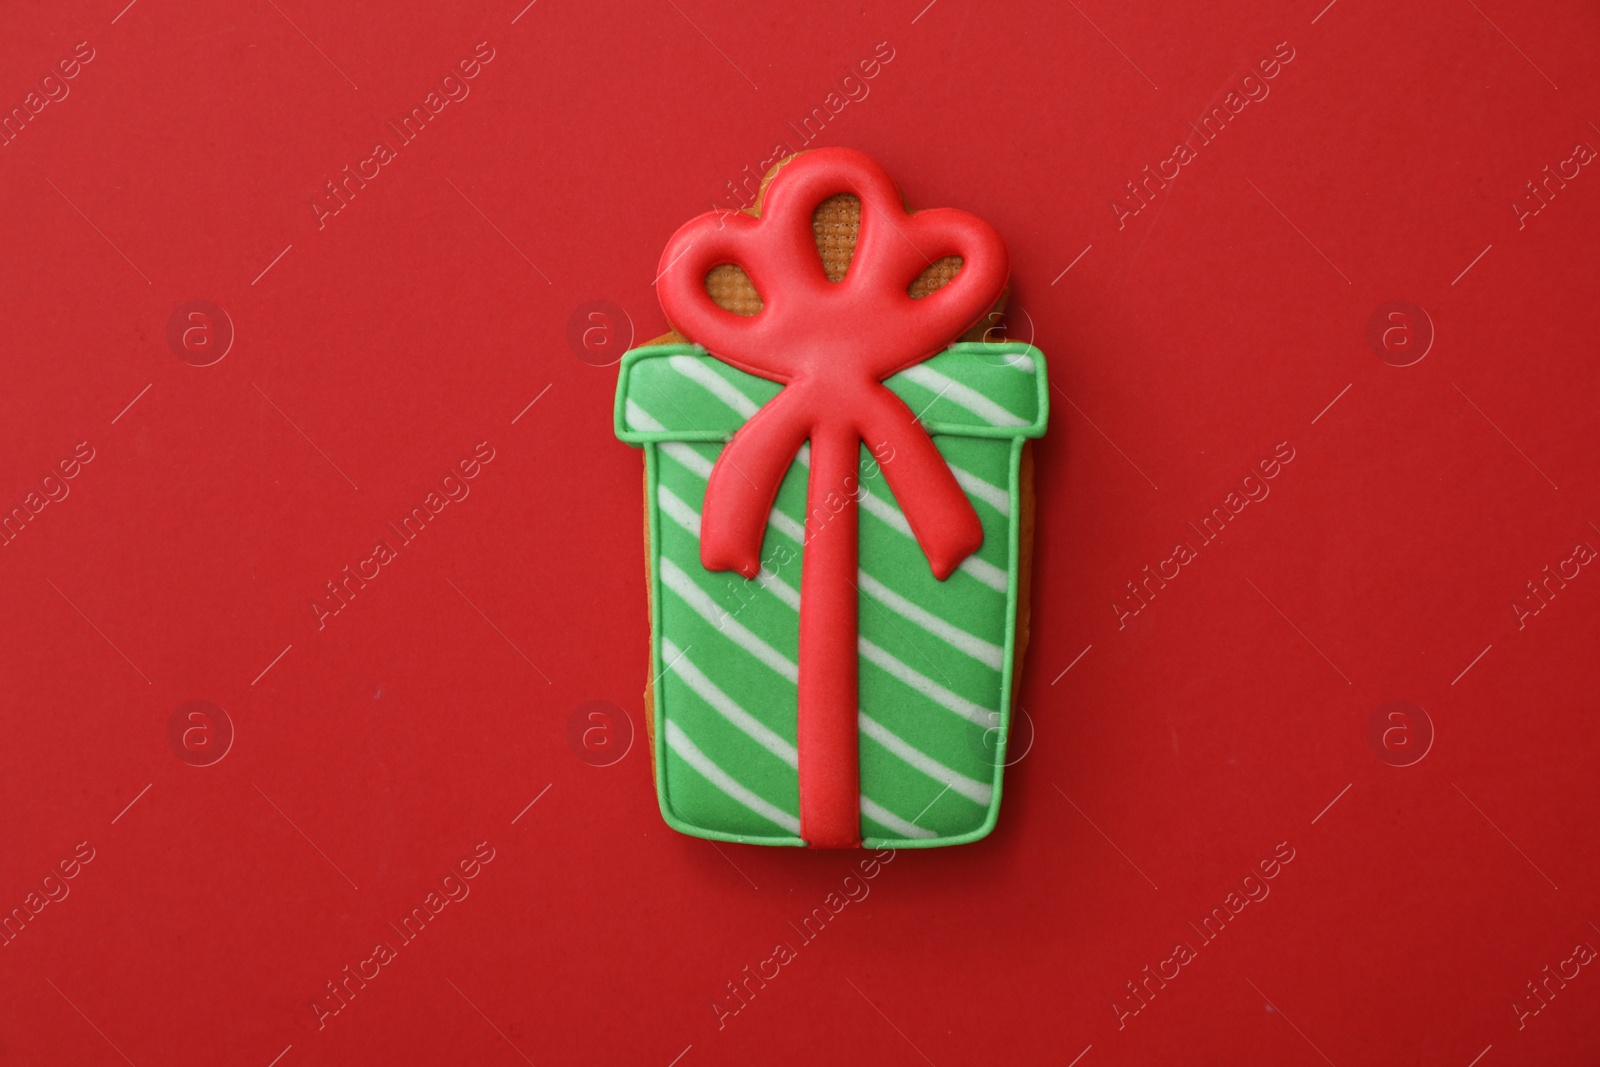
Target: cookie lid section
x=681, y=392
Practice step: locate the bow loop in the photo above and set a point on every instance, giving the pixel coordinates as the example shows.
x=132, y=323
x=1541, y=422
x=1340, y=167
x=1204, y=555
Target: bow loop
x=868, y=324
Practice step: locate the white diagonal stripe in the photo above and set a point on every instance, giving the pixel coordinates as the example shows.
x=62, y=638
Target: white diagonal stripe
x=971, y=788
x=884, y=817
x=965, y=395
x=688, y=457
x=702, y=605
x=638, y=417
x=686, y=750
x=973, y=713
x=696, y=371
x=885, y=511
x=985, y=572
x=1017, y=360
x=786, y=526
x=992, y=495
x=986, y=652
x=768, y=579
x=673, y=507
x=982, y=570
x=707, y=690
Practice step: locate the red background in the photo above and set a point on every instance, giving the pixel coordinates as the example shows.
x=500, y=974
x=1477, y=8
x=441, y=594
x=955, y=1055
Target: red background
x=1175, y=754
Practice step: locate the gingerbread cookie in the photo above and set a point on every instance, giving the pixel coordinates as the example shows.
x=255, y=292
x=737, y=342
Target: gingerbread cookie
x=838, y=515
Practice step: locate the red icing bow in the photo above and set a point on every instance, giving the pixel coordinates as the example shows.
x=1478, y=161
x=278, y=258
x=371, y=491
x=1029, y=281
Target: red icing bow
x=831, y=344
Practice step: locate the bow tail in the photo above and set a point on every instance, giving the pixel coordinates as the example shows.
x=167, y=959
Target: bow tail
x=941, y=517
x=744, y=483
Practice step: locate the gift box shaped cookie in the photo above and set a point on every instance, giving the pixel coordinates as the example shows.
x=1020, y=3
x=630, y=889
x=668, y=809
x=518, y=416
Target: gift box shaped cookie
x=839, y=516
